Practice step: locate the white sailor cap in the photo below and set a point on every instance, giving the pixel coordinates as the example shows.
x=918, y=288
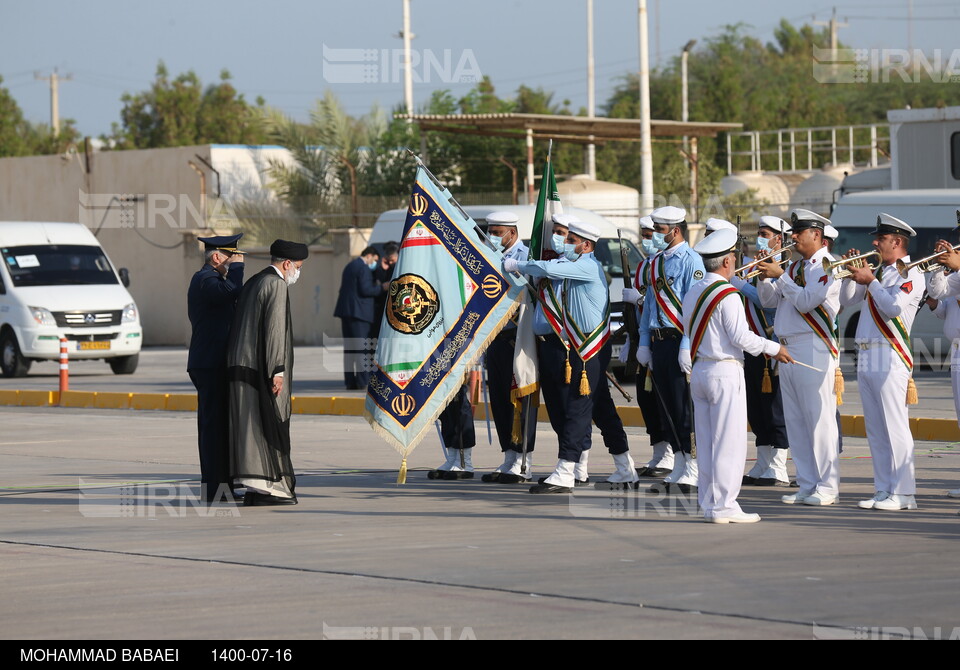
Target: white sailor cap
x=720, y=243
x=713, y=225
x=587, y=231
x=564, y=219
x=646, y=223
x=831, y=232
x=502, y=218
x=891, y=225
x=669, y=215
x=801, y=219
x=774, y=223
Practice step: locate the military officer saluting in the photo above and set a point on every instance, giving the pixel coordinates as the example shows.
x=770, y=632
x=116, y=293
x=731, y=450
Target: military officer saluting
x=885, y=361
x=715, y=320
x=211, y=303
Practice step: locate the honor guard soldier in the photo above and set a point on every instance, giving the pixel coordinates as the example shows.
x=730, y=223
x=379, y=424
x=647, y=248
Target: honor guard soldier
x=715, y=322
x=885, y=361
x=662, y=462
x=502, y=232
x=764, y=400
x=945, y=288
x=458, y=436
x=714, y=224
x=674, y=269
x=584, y=321
x=806, y=298
x=830, y=235
x=211, y=304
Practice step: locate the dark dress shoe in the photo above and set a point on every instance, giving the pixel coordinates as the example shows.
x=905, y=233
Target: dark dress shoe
x=254, y=499
x=659, y=488
x=771, y=481
x=492, y=477
x=550, y=488
x=454, y=475
x=435, y=474
x=681, y=488
x=616, y=486
x=748, y=481
x=507, y=478
x=656, y=472
x=576, y=482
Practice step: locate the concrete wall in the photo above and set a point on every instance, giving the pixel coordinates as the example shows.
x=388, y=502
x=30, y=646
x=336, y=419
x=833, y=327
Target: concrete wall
x=147, y=208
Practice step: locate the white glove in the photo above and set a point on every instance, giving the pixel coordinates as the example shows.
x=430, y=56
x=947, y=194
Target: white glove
x=685, y=363
x=631, y=296
x=511, y=265
x=644, y=356
x=624, y=351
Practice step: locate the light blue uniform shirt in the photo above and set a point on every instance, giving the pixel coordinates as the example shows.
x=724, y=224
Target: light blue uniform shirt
x=587, y=294
x=680, y=268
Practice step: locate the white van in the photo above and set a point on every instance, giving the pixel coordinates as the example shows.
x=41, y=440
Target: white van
x=389, y=227
x=933, y=214
x=57, y=282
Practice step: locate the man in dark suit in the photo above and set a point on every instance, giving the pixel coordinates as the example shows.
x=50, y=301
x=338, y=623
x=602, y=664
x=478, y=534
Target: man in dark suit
x=358, y=288
x=211, y=303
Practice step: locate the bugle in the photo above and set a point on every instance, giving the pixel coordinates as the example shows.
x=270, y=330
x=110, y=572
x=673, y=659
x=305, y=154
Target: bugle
x=927, y=264
x=747, y=271
x=829, y=266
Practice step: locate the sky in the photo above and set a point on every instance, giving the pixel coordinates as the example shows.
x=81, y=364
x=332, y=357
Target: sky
x=291, y=51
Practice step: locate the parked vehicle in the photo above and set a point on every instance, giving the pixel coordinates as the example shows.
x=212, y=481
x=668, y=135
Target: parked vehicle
x=57, y=282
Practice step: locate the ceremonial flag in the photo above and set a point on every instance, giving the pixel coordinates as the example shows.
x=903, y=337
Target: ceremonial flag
x=449, y=298
x=548, y=204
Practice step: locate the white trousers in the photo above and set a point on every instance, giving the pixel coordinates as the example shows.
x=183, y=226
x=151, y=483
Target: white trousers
x=883, y=378
x=720, y=421
x=810, y=412
x=955, y=375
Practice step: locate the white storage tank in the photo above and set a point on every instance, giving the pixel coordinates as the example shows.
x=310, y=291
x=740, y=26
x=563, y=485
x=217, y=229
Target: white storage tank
x=617, y=203
x=772, y=188
x=816, y=192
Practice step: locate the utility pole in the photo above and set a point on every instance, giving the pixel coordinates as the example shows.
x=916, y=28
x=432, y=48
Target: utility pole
x=591, y=157
x=54, y=80
x=407, y=72
x=646, y=146
x=834, y=25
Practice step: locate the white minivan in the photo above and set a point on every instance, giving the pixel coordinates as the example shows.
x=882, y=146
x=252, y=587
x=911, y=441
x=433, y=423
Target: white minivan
x=57, y=282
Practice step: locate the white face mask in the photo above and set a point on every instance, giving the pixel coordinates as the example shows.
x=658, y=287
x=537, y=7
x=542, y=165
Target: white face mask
x=292, y=279
x=558, y=241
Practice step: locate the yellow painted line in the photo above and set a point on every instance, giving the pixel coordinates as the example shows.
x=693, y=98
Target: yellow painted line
x=852, y=425
x=78, y=399
x=112, y=400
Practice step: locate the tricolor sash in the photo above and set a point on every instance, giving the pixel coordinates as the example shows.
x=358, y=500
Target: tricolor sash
x=589, y=344
x=552, y=309
x=667, y=300
x=703, y=310
x=894, y=331
x=819, y=320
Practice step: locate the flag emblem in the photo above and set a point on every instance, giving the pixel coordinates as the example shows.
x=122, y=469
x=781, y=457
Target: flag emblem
x=412, y=305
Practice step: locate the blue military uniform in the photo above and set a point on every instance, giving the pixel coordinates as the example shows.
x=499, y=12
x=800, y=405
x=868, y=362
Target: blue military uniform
x=355, y=309
x=211, y=304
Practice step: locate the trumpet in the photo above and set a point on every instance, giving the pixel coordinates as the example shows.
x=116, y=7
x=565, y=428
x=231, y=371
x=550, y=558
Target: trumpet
x=747, y=271
x=925, y=265
x=829, y=266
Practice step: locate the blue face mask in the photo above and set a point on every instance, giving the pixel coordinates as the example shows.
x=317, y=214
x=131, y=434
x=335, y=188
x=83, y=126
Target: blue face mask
x=372, y=265
x=497, y=242
x=569, y=252
x=659, y=242
x=649, y=248
x=763, y=245
x=559, y=241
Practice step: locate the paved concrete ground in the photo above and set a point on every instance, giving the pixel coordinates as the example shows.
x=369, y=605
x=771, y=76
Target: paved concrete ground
x=361, y=555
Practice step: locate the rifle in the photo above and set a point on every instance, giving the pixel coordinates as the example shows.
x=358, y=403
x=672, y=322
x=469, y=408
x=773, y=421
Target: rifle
x=629, y=311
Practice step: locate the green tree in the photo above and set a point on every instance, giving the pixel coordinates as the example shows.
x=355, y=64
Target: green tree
x=179, y=112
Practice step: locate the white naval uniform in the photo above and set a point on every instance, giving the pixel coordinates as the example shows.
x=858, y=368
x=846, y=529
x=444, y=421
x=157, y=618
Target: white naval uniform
x=719, y=396
x=809, y=401
x=946, y=289
x=882, y=375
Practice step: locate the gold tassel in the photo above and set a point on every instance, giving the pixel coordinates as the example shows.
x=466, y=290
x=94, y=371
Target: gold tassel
x=568, y=371
x=648, y=382
x=584, y=383
x=516, y=437
x=838, y=385
x=912, y=397
x=402, y=475
x=766, y=386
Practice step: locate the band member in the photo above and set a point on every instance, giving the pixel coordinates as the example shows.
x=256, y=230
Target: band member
x=662, y=339
x=585, y=313
x=764, y=400
x=662, y=462
x=715, y=321
x=807, y=300
x=885, y=361
x=945, y=288
x=502, y=231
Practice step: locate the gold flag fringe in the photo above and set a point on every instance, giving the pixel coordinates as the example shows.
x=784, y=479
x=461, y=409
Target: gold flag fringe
x=402, y=475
